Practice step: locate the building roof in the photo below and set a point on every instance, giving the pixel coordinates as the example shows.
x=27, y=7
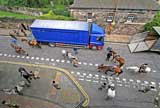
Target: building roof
x=121, y=4
x=59, y=24
x=157, y=29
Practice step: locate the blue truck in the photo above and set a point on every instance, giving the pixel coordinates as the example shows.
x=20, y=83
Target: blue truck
x=68, y=32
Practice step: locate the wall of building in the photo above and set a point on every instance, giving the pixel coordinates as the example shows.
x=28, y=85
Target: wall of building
x=100, y=15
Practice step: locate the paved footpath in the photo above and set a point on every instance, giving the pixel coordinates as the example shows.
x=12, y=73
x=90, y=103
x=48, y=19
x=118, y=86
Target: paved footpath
x=41, y=93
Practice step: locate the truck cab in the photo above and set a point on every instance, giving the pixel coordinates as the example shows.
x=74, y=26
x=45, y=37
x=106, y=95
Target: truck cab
x=97, y=35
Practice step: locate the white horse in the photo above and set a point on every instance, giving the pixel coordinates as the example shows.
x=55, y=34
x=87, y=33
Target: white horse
x=136, y=69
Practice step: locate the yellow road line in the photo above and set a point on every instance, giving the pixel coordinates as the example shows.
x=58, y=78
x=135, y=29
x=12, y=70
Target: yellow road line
x=85, y=103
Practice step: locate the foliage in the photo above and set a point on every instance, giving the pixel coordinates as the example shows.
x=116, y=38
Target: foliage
x=52, y=16
x=59, y=7
x=15, y=15
x=155, y=22
x=35, y=3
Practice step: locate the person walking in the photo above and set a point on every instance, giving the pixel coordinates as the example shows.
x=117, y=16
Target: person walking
x=26, y=75
x=75, y=51
x=56, y=85
x=109, y=54
x=142, y=68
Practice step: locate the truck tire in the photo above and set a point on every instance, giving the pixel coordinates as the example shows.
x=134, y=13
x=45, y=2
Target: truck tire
x=90, y=46
x=99, y=47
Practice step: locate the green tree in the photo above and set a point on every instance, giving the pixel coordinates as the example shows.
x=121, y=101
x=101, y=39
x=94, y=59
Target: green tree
x=155, y=22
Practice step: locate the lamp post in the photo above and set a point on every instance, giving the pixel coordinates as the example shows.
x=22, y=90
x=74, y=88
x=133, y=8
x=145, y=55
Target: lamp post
x=116, y=5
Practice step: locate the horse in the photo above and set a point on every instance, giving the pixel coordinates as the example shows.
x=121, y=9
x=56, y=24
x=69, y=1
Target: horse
x=136, y=69
x=120, y=60
x=104, y=68
x=34, y=43
x=115, y=69
x=18, y=49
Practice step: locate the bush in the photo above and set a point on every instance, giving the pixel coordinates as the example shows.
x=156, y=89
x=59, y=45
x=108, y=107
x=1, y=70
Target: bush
x=52, y=16
x=155, y=22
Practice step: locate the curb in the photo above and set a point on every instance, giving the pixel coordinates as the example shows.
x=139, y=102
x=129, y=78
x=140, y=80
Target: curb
x=87, y=99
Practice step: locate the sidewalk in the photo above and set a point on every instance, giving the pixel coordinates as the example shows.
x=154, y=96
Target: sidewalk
x=117, y=38
x=41, y=93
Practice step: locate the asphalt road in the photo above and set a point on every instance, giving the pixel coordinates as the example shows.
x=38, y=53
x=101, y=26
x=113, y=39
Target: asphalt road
x=127, y=95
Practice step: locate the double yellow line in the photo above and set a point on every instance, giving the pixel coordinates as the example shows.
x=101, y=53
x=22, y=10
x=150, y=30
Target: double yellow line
x=87, y=99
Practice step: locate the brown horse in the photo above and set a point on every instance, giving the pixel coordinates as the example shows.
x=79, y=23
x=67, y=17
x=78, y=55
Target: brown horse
x=104, y=68
x=34, y=43
x=120, y=60
x=18, y=49
x=116, y=69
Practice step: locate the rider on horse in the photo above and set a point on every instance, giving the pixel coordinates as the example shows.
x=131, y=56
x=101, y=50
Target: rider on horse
x=143, y=67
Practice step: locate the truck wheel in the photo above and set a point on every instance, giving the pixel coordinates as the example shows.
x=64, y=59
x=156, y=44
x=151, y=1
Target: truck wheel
x=90, y=46
x=99, y=47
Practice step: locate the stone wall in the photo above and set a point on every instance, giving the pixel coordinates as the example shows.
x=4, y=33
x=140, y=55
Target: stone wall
x=24, y=10
x=11, y=23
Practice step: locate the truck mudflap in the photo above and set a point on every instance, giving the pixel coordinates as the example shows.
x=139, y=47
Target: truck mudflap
x=97, y=47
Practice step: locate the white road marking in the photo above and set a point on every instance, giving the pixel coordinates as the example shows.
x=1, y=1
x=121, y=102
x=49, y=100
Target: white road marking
x=90, y=64
x=81, y=76
x=22, y=56
x=96, y=65
x=27, y=57
x=32, y=58
x=88, y=80
x=78, y=73
x=5, y=55
x=154, y=71
x=90, y=75
x=84, y=63
x=84, y=74
x=103, y=76
x=42, y=59
x=62, y=61
x=68, y=61
x=124, y=79
x=119, y=85
x=95, y=81
x=81, y=79
x=126, y=85
x=9, y=55
x=52, y=59
x=79, y=63
x=146, y=82
x=154, y=89
x=153, y=83
x=131, y=80
x=13, y=56
x=37, y=58
x=96, y=75
x=138, y=81
x=103, y=79
x=18, y=56
x=47, y=59
x=72, y=72
x=1, y=54
x=117, y=78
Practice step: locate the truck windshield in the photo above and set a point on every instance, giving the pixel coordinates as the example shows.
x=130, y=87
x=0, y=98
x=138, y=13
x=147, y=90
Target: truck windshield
x=100, y=39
